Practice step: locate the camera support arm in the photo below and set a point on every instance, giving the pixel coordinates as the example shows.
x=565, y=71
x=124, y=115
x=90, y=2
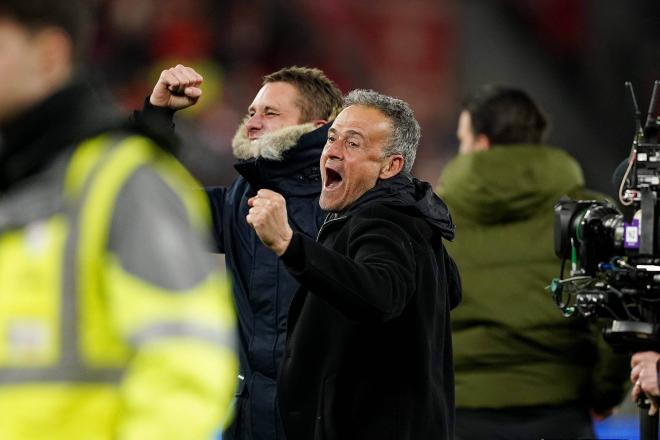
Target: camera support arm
x=647, y=240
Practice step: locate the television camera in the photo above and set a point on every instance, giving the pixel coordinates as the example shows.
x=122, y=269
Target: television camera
x=614, y=255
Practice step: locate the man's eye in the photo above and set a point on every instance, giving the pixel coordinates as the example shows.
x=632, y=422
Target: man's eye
x=353, y=144
x=271, y=114
x=331, y=139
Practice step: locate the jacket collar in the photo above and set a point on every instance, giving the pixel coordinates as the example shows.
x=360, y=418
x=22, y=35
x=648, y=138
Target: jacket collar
x=297, y=172
x=269, y=146
x=406, y=193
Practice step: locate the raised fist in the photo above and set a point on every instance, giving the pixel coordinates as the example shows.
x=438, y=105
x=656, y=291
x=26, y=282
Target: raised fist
x=177, y=88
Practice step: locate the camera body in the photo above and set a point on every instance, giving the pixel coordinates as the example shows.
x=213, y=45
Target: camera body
x=615, y=255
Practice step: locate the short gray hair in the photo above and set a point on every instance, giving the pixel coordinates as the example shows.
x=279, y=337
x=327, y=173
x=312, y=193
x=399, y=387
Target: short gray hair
x=405, y=128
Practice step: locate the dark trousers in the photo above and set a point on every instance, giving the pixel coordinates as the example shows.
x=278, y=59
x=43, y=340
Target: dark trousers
x=528, y=423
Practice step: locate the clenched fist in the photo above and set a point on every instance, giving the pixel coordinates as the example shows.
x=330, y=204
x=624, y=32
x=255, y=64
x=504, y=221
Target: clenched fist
x=268, y=217
x=177, y=88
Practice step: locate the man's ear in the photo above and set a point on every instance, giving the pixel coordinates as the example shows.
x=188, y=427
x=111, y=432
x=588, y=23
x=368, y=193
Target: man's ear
x=392, y=167
x=481, y=142
x=319, y=122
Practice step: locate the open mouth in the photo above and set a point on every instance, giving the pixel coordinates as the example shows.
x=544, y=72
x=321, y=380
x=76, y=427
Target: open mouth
x=332, y=178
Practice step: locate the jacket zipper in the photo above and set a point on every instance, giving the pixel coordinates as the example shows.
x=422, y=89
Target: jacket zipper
x=327, y=222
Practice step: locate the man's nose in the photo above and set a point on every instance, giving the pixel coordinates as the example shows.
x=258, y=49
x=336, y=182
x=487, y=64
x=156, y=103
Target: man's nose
x=334, y=150
x=254, y=122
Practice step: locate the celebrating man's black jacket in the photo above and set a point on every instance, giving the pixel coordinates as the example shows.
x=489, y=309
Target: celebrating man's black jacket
x=369, y=346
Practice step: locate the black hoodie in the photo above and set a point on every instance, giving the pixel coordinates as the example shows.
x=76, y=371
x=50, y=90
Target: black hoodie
x=369, y=345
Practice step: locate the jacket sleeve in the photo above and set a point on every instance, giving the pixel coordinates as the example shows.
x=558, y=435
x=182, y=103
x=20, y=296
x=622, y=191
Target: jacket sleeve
x=158, y=118
x=216, y=197
x=173, y=308
x=373, y=282
x=454, y=283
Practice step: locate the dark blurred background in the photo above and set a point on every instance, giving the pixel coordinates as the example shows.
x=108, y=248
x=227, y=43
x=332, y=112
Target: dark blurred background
x=573, y=56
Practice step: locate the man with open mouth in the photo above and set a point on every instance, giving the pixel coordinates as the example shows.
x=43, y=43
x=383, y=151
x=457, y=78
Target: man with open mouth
x=368, y=352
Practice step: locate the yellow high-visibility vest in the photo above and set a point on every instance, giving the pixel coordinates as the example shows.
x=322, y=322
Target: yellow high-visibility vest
x=88, y=350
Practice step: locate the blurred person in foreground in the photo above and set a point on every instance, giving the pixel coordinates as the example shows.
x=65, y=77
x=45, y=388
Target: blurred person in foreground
x=368, y=352
x=114, y=323
x=522, y=370
x=278, y=148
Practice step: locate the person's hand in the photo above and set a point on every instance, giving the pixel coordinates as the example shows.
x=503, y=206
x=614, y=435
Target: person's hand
x=177, y=88
x=644, y=376
x=267, y=215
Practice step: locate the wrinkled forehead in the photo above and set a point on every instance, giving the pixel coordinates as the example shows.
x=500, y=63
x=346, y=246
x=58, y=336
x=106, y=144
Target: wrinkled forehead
x=368, y=122
x=278, y=95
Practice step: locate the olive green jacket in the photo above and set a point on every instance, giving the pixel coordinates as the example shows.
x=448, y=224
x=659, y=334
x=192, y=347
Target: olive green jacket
x=512, y=345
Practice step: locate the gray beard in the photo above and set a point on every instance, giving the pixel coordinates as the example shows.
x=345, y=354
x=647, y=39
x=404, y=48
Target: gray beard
x=271, y=145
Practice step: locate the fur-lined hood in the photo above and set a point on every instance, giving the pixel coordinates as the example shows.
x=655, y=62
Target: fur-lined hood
x=271, y=145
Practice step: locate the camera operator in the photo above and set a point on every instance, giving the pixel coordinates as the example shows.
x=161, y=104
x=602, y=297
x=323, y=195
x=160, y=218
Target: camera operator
x=522, y=370
x=644, y=376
